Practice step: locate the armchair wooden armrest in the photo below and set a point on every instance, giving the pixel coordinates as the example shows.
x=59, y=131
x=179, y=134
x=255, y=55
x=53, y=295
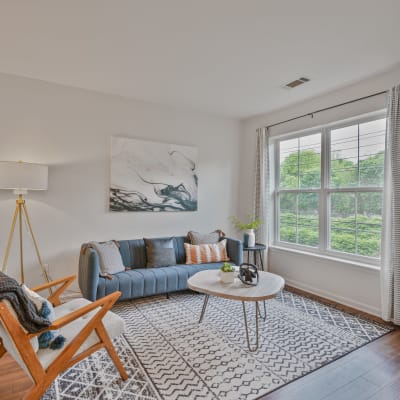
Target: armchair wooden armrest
x=54, y=297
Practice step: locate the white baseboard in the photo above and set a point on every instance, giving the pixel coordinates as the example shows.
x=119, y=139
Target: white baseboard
x=334, y=297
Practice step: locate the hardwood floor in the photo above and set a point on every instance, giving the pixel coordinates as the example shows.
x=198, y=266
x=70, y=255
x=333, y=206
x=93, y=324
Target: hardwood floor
x=13, y=380
x=369, y=373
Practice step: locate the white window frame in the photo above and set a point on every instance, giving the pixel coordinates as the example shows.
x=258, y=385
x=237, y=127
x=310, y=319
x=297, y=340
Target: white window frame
x=324, y=191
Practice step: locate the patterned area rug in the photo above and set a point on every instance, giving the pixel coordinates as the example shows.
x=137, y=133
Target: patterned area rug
x=169, y=355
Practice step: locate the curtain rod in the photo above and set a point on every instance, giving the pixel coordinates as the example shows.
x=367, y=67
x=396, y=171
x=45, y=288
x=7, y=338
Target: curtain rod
x=311, y=114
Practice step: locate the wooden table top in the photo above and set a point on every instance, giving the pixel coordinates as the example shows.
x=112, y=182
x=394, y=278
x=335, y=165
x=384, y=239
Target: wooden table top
x=209, y=282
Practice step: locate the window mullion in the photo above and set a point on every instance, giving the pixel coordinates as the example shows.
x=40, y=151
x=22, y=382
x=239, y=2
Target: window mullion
x=323, y=202
x=277, y=191
x=298, y=188
x=358, y=155
x=297, y=217
x=355, y=222
x=363, y=189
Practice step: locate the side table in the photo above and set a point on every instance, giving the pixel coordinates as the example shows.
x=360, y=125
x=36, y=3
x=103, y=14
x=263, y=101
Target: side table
x=257, y=250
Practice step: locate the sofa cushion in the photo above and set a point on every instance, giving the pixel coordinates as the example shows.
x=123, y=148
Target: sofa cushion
x=109, y=257
x=205, y=238
x=180, y=249
x=133, y=253
x=205, y=253
x=160, y=252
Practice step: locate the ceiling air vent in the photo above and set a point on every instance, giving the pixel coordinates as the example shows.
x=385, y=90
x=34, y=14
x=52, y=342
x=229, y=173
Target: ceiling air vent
x=296, y=82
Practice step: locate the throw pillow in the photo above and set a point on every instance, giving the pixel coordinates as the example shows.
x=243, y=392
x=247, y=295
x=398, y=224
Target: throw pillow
x=205, y=238
x=206, y=253
x=45, y=309
x=160, y=252
x=109, y=257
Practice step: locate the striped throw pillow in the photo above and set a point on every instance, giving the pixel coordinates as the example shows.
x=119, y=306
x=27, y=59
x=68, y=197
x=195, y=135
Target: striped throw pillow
x=206, y=253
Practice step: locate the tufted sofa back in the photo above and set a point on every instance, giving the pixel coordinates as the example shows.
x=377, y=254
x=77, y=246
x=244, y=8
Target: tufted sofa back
x=133, y=252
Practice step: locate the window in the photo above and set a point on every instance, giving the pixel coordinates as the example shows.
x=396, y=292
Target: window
x=329, y=185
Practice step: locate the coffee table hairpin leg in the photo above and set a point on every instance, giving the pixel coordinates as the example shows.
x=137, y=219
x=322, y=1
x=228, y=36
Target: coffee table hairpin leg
x=255, y=348
x=264, y=317
x=258, y=315
x=203, y=310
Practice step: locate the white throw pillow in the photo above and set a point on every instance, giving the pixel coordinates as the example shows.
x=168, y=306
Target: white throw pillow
x=109, y=257
x=37, y=299
x=45, y=309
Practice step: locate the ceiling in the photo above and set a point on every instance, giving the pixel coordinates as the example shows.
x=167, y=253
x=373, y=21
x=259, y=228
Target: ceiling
x=227, y=57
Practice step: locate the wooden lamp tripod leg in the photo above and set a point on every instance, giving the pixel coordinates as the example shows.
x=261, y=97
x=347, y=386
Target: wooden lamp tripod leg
x=44, y=272
x=21, y=247
x=10, y=237
x=20, y=209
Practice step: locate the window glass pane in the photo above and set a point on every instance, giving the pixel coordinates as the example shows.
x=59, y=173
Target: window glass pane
x=298, y=218
x=308, y=220
x=372, y=152
x=356, y=223
x=300, y=162
x=310, y=161
x=289, y=164
x=343, y=222
x=369, y=224
x=357, y=155
x=288, y=217
x=344, y=157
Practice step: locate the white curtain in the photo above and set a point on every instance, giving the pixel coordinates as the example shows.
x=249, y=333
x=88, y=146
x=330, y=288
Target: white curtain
x=262, y=210
x=390, y=266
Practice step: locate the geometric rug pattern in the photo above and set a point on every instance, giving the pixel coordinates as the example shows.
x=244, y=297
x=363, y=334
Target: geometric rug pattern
x=170, y=356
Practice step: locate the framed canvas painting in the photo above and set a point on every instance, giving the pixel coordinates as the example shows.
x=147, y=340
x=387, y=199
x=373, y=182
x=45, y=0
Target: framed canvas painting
x=152, y=176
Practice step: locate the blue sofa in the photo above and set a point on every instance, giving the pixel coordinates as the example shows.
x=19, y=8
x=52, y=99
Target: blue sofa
x=141, y=281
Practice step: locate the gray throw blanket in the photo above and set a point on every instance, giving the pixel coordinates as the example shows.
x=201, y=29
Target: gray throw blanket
x=25, y=309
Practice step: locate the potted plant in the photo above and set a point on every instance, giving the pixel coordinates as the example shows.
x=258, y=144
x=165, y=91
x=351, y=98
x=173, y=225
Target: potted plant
x=227, y=273
x=249, y=238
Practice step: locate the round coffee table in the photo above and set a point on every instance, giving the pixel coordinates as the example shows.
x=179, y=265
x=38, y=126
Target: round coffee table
x=209, y=283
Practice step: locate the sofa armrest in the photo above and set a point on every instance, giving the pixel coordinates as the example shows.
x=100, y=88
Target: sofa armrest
x=235, y=250
x=89, y=272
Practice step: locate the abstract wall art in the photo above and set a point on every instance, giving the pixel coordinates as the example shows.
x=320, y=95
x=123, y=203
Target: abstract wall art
x=152, y=176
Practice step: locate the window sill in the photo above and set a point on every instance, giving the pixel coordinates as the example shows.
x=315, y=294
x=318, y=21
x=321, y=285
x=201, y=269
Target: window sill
x=353, y=263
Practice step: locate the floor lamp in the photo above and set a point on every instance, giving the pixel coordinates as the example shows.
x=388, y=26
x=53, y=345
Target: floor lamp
x=21, y=177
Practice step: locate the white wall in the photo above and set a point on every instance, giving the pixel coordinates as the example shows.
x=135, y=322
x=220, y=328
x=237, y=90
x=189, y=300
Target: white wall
x=346, y=283
x=69, y=129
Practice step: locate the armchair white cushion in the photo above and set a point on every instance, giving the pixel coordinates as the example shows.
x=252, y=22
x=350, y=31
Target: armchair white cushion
x=113, y=323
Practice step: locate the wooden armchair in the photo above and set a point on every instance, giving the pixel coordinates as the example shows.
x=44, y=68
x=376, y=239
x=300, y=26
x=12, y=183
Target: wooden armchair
x=87, y=326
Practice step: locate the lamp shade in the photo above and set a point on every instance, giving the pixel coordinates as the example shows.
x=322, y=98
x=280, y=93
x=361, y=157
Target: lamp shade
x=23, y=176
